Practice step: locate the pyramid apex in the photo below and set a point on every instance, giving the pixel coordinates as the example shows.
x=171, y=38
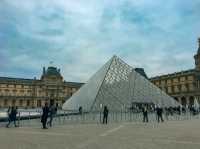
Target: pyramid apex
x=114, y=56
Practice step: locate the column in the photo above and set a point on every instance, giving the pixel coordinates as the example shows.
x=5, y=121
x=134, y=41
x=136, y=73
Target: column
x=187, y=100
x=179, y=100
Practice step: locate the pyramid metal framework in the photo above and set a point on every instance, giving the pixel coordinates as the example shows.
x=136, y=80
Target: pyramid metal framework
x=117, y=85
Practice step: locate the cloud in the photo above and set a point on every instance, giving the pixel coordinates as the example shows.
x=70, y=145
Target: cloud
x=80, y=36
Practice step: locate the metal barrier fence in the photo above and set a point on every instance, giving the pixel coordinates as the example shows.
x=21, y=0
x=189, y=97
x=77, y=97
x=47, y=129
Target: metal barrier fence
x=63, y=117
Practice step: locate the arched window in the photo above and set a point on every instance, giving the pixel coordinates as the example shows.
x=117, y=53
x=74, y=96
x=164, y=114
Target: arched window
x=39, y=103
x=13, y=102
x=5, y=102
x=191, y=100
x=28, y=103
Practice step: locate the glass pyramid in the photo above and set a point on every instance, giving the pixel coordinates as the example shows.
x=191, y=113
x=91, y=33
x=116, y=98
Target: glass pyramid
x=117, y=85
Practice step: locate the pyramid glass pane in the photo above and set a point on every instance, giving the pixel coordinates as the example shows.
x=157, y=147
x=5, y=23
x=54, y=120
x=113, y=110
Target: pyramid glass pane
x=85, y=96
x=117, y=85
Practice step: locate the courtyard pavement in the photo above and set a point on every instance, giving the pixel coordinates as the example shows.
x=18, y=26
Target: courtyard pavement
x=169, y=135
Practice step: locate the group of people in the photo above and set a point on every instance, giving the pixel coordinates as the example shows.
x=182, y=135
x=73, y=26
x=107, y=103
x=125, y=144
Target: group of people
x=12, y=115
x=168, y=111
x=159, y=114
x=48, y=112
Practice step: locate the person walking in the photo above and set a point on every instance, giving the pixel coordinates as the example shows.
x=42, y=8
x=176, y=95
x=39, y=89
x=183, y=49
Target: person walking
x=52, y=113
x=159, y=112
x=145, y=115
x=12, y=114
x=105, y=115
x=80, y=110
x=44, y=117
x=9, y=116
x=9, y=112
x=15, y=115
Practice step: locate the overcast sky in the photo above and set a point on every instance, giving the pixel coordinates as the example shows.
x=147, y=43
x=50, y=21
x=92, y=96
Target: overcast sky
x=79, y=36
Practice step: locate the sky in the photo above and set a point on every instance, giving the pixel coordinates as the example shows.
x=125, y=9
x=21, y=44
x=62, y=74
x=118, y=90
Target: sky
x=79, y=36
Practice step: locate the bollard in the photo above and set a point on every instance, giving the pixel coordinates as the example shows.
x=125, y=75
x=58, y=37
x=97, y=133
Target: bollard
x=19, y=119
x=121, y=115
x=29, y=117
x=64, y=117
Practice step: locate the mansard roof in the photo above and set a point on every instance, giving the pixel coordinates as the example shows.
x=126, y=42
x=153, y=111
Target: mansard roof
x=17, y=80
x=52, y=71
x=175, y=74
x=30, y=81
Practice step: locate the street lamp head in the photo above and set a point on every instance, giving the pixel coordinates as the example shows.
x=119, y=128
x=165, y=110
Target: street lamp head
x=101, y=106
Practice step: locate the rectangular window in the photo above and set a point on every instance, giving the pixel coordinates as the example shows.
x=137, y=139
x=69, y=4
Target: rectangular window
x=13, y=102
x=190, y=78
x=168, y=81
x=169, y=90
x=28, y=103
x=182, y=79
x=175, y=80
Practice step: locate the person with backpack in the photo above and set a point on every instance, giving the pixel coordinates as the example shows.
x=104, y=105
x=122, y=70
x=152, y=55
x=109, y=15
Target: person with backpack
x=44, y=117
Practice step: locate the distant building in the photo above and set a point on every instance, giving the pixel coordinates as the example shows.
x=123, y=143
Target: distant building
x=141, y=71
x=184, y=86
x=32, y=93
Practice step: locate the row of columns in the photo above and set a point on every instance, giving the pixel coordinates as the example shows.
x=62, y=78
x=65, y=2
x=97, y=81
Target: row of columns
x=187, y=100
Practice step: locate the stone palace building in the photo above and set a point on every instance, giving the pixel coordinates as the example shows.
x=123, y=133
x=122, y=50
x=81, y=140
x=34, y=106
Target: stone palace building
x=184, y=86
x=32, y=93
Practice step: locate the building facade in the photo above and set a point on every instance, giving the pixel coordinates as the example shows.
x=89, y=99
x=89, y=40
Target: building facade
x=184, y=86
x=32, y=93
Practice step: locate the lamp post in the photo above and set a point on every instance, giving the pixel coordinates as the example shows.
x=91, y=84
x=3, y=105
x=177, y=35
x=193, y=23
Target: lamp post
x=101, y=106
x=122, y=112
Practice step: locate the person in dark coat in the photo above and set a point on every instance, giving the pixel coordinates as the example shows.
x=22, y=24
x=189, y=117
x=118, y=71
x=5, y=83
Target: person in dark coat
x=105, y=115
x=15, y=115
x=12, y=114
x=145, y=115
x=159, y=112
x=44, y=117
x=80, y=109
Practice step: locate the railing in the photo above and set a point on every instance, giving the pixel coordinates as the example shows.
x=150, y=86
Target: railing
x=64, y=117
